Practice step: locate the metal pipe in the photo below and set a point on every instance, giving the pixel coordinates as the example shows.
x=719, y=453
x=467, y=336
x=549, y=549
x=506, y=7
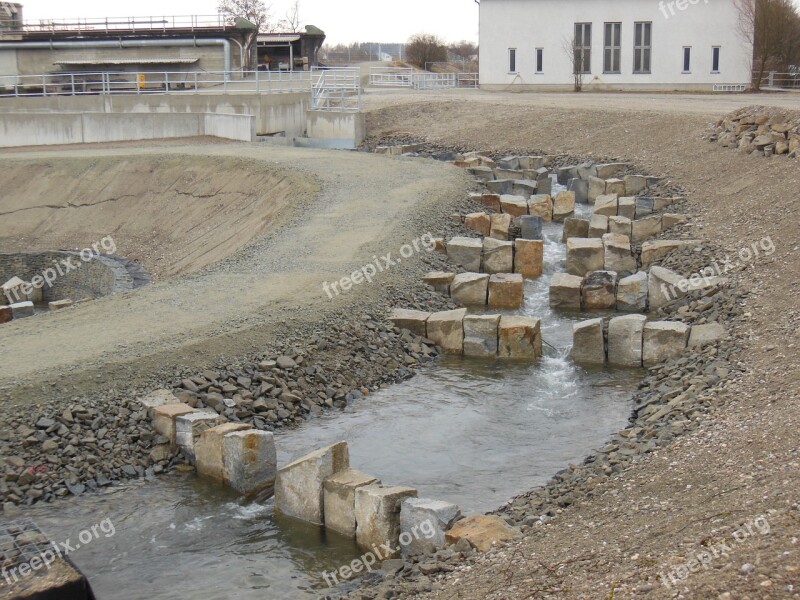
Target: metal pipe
x=66, y=45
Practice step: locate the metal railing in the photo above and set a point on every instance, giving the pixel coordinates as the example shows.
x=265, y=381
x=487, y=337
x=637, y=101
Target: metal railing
x=785, y=81
x=336, y=89
x=421, y=80
x=391, y=76
x=116, y=24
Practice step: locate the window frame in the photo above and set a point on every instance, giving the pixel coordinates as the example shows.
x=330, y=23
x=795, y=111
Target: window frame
x=643, y=49
x=512, y=52
x=539, y=55
x=586, y=50
x=716, y=56
x=687, y=69
x=614, y=49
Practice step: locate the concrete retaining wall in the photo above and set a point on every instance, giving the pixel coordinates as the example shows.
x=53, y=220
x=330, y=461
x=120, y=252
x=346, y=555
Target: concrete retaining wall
x=343, y=130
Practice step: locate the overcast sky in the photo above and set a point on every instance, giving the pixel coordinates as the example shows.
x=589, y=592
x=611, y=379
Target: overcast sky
x=342, y=20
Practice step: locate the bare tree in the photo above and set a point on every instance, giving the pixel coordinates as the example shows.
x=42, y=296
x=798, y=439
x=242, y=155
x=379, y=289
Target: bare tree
x=292, y=20
x=464, y=49
x=255, y=12
x=576, y=55
x=773, y=27
x=424, y=48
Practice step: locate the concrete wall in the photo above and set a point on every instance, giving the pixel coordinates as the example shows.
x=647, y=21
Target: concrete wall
x=530, y=24
x=344, y=130
x=21, y=129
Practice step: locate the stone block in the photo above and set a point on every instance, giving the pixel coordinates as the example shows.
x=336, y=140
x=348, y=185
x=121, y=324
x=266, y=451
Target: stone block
x=249, y=460
x=208, y=449
x=541, y=205
x=516, y=206
x=492, y=201
x=479, y=222
x=520, y=338
x=625, y=336
x=482, y=532
x=632, y=293
x=665, y=286
x=588, y=343
x=466, y=252
x=644, y=207
x=470, y=289
x=615, y=186
x=617, y=255
x=531, y=227
x=425, y=523
x=525, y=188
x=339, y=497
x=506, y=290
x=190, y=426
x=529, y=257
x=656, y=250
x=299, y=486
x=480, y=335
x=498, y=256
x=414, y=321
x=581, y=189
x=598, y=226
x=670, y=220
x=59, y=304
x=599, y=290
x=620, y=226
x=606, y=205
x=500, y=226
x=597, y=188
x=584, y=256
x=565, y=174
x=575, y=228
x=662, y=203
x=5, y=314
x=500, y=186
x=482, y=173
x=587, y=170
x=164, y=416
x=634, y=184
x=626, y=207
x=663, y=340
x=21, y=310
x=533, y=162
x=608, y=170
x=378, y=515
x=563, y=206
x=440, y=281
x=446, y=329
x=513, y=174
x=155, y=399
x=509, y=162
x=565, y=291
x=646, y=228
x=703, y=335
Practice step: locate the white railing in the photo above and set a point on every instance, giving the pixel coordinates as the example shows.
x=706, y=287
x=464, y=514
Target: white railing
x=391, y=76
x=431, y=81
x=422, y=80
x=468, y=80
x=112, y=24
x=152, y=82
x=336, y=89
x=729, y=87
x=786, y=81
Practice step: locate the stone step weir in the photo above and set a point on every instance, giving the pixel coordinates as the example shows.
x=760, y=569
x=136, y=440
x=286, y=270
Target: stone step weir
x=520, y=204
x=502, y=290
x=492, y=256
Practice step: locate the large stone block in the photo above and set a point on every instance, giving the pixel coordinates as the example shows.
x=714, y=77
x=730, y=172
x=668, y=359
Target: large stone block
x=189, y=427
x=21, y=310
x=299, y=486
x=155, y=399
x=575, y=228
x=506, y=290
x=597, y=187
x=599, y=291
x=565, y=174
x=625, y=336
x=644, y=229
x=634, y=184
x=482, y=532
x=414, y=321
x=492, y=201
x=509, y=162
x=466, y=252
x=446, y=329
x=581, y=189
x=513, y=174
x=529, y=257
x=644, y=207
x=544, y=185
x=424, y=523
x=498, y=256
x=541, y=205
x=500, y=186
x=665, y=286
x=249, y=461
x=479, y=222
x=378, y=516
x=565, y=291
x=588, y=343
x=531, y=227
x=609, y=170
x=606, y=205
x=164, y=418
x=584, y=256
x=620, y=226
x=525, y=188
x=617, y=255
x=563, y=206
x=339, y=498
x=440, y=281
x=480, y=335
x=703, y=335
x=598, y=226
x=500, y=227
x=520, y=338
x=516, y=206
x=208, y=449
x=626, y=207
x=670, y=220
x=663, y=340
x=632, y=292
x=6, y=314
x=655, y=250
x=469, y=289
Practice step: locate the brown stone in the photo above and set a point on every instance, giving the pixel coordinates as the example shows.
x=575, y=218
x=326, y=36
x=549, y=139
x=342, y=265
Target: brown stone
x=541, y=205
x=529, y=257
x=446, y=329
x=520, y=337
x=516, y=206
x=492, y=201
x=440, y=281
x=506, y=290
x=414, y=321
x=500, y=226
x=599, y=291
x=164, y=418
x=479, y=222
x=565, y=291
x=5, y=314
x=482, y=532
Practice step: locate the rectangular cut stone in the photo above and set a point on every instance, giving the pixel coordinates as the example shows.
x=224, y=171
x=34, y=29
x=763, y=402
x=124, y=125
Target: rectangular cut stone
x=470, y=289
x=643, y=229
x=479, y=222
x=425, y=522
x=606, y=205
x=520, y=338
x=498, y=256
x=620, y=226
x=529, y=257
x=662, y=203
x=506, y=290
x=500, y=227
x=625, y=336
x=340, y=500
x=541, y=205
x=509, y=162
x=655, y=250
x=525, y=188
x=565, y=174
x=446, y=330
x=565, y=291
x=531, y=227
x=466, y=252
x=581, y=189
x=249, y=461
x=584, y=256
x=587, y=170
x=588, y=344
x=598, y=226
x=500, y=186
x=164, y=418
x=663, y=340
x=599, y=291
x=597, y=188
x=563, y=206
x=634, y=184
x=516, y=206
x=708, y=333
x=299, y=486
x=208, y=450
x=632, y=292
x=575, y=228
x=492, y=201
x=21, y=310
x=644, y=207
x=615, y=186
x=189, y=428
x=670, y=220
x=59, y=304
x=626, y=207
x=155, y=399
x=483, y=173
x=665, y=286
x=608, y=170
x=440, y=281
x=544, y=186
x=513, y=174
x=414, y=321
x=5, y=314
x=378, y=516
x=480, y=335
x=617, y=255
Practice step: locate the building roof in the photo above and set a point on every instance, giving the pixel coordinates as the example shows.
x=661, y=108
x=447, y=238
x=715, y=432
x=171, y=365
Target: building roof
x=129, y=61
x=278, y=38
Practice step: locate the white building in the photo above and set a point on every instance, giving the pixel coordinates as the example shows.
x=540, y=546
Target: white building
x=624, y=44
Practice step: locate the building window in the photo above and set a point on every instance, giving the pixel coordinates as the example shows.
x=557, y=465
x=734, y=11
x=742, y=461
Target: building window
x=687, y=59
x=583, y=48
x=540, y=60
x=642, y=47
x=512, y=60
x=612, y=47
x=715, y=59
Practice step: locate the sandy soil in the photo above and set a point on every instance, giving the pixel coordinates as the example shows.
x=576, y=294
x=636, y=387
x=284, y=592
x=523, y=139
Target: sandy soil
x=744, y=463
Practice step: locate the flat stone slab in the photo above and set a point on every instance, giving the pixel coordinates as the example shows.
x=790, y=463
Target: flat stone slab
x=563, y=206
x=424, y=523
x=588, y=343
x=340, y=500
x=414, y=321
x=446, y=329
x=606, y=204
x=378, y=516
x=646, y=228
x=598, y=226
